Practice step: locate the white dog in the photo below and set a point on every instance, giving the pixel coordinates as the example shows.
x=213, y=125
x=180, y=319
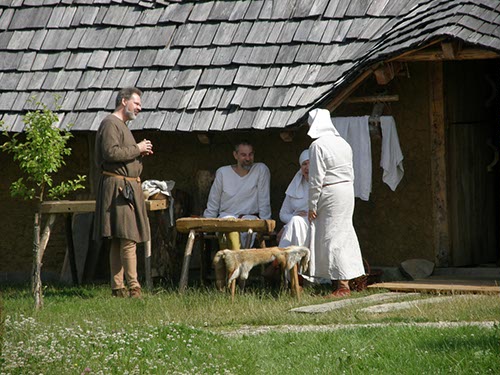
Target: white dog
x=233, y=264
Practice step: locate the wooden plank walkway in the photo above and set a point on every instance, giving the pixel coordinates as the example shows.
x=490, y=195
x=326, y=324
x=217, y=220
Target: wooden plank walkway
x=441, y=286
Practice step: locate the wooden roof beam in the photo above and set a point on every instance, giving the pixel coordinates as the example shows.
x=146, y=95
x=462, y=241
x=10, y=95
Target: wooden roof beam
x=345, y=93
x=372, y=99
x=450, y=49
x=447, y=53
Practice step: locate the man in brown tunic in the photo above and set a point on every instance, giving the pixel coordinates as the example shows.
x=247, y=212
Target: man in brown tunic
x=120, y=209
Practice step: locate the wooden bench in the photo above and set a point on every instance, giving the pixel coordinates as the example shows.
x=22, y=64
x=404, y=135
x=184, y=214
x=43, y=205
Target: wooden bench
x=68, y=209
x=199, y=226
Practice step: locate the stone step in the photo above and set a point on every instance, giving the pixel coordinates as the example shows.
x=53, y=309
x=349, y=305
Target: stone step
x=395, y=306
x=334, y=305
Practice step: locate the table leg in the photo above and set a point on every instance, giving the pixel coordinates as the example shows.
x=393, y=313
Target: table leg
x=147, y=264
x=205, y=252
x=71, y=248
x=249, y=238
x=187, y=259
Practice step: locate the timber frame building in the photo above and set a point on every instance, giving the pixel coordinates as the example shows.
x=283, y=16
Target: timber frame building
x=214, y=71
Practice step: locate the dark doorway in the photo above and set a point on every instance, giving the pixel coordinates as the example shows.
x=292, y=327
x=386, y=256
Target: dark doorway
x=472, y=92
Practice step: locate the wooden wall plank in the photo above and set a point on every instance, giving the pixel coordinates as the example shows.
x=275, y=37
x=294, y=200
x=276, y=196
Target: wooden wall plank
x=438, y=165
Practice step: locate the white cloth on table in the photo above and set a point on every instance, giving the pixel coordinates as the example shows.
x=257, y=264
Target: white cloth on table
x=151, y=187
x=296, y=201
x=356, y=132
x=391, y=160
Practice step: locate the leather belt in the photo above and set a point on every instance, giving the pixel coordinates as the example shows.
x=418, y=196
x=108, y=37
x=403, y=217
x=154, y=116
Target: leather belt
x=115, y=175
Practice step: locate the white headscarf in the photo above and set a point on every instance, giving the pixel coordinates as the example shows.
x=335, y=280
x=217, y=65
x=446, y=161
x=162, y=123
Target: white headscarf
x=297, y=189
x=304, y=156
x=320, y=124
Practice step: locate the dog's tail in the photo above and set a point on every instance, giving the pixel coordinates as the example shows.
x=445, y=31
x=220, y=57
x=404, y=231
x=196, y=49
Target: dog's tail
x=298, y=254
x=304, y=263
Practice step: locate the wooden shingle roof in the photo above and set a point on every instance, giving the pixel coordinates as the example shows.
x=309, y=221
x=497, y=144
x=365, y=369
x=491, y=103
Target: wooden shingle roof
x=213, y=65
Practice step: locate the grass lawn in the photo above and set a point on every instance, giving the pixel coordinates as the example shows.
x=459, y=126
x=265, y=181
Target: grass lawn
x=85, y=331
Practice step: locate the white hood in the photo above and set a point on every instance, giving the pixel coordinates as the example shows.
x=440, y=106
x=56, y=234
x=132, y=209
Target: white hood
x=320, y=124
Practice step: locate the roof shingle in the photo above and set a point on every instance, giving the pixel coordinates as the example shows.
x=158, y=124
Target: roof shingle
x=213, y=65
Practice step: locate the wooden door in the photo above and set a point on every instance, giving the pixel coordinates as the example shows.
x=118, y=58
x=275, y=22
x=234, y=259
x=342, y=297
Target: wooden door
x=473, y=124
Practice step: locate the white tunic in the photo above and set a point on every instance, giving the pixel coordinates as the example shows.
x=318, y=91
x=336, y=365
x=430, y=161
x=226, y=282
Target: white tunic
x=232, y=195
x=296, y=201
x=335, y=252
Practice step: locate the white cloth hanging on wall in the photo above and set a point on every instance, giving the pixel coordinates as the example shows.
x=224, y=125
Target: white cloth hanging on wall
x=356, y=132
x=391, y=160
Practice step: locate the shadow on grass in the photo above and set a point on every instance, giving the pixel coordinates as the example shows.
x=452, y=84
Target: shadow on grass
x=464, y=342
x=51, y=290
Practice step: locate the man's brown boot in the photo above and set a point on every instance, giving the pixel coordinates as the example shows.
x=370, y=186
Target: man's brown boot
x=135, y=293
x=120, y=293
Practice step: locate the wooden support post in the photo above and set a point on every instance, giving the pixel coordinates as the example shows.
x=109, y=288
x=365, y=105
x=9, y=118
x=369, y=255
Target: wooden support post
x=68, y=224
x=450, y=50
x=438, y=165
x=186, y=261
x=147, y=264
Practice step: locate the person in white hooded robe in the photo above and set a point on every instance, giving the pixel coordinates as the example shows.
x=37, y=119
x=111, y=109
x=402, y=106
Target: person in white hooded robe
x=335, y=252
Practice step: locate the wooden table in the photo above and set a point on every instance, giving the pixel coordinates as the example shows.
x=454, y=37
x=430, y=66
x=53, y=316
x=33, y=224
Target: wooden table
x=198, y=226
x=68, y=209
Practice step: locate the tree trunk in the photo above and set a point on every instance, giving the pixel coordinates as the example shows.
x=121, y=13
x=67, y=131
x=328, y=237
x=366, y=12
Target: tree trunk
x=37, y=263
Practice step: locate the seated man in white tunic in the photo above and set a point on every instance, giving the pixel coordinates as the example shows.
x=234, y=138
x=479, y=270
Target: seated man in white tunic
x=295, y=207
x=240, y=191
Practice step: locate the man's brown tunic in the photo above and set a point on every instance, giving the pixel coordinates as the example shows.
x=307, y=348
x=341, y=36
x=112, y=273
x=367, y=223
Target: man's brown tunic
x=116, y=151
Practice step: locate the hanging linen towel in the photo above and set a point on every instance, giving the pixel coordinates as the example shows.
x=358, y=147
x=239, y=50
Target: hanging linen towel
x=391, y=160
x=355, y=131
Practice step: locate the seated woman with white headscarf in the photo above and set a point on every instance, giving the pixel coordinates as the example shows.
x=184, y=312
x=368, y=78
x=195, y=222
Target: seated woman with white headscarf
x=293, y=213
x=295, y=206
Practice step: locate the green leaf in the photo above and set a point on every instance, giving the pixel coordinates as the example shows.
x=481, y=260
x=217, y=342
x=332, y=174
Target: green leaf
x=40, y=155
